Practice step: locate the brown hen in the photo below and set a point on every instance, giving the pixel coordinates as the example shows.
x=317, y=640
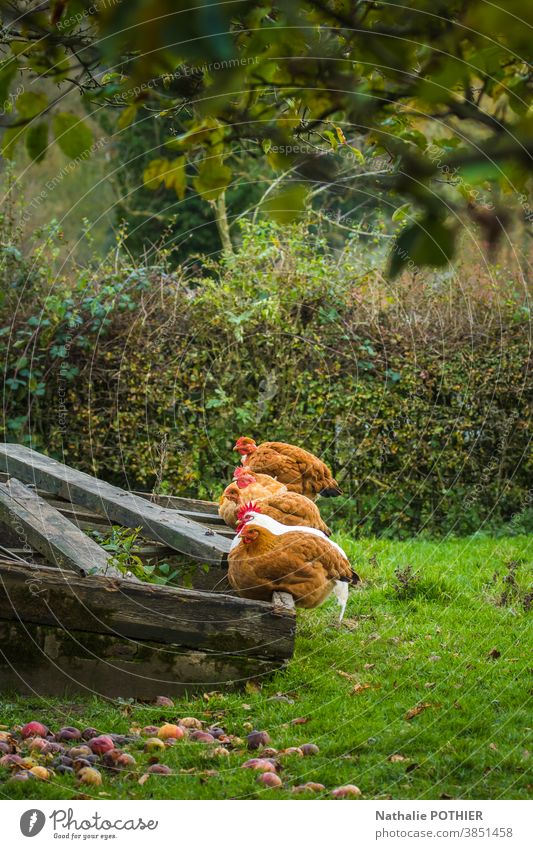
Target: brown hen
x=268, y=557
x=289, y=508
x=299, y=470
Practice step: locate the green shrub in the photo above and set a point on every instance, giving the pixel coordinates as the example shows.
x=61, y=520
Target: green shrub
x=416, y=393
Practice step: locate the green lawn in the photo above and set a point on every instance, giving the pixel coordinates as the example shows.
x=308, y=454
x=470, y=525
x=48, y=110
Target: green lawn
x=434, y=647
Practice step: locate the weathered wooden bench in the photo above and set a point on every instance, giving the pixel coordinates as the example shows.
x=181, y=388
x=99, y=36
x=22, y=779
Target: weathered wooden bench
x=71, y=621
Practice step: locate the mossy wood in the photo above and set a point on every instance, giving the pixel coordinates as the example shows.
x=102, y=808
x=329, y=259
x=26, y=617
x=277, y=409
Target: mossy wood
x=161, y=523
x=62, y=632
x=87, y=519
x=40, y=659
x=54, y=536
x=212, y=622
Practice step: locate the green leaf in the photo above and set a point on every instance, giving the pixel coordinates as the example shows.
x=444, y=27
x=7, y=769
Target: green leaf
x=207, y=132
x=170, y=174
x=288, y=204
x=427, y=242
x=340, y=135
x=179, y=182
x=357, y=153
x=31, y=103
x=154, y=172
x=37, y=141
x=73, y=136
x=401, y=213
x=332, y=138
x=128, y=116
x=213, y=178
x=8, y=69
x=11, y=137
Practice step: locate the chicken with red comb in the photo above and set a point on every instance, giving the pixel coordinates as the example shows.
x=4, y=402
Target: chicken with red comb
x=298, y=469
x=267, y=557
x=286, y=507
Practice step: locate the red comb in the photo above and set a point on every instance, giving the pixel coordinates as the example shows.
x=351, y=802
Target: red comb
x=250, y=507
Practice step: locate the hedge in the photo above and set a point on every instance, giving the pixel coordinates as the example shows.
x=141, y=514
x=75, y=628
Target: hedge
x=417, y=393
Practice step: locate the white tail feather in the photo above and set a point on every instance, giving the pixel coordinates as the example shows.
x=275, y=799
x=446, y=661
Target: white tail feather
x=340, y=591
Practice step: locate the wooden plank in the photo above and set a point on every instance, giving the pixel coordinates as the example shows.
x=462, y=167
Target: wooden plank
x=74, y=510
x=205, y=621
x=192, y=508
x=86, y=518
x=46, y=661
x=283, y=603
x=69, y=509
x=115, y=504
x=175, y=502
x=50, y=533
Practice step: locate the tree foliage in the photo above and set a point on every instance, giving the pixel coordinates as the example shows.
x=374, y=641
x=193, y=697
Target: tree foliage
x=307, y=86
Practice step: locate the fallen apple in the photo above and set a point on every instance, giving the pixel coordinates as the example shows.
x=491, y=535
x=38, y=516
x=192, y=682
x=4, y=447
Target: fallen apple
x=37, y=744
x=100, y=745
x=256, y=739
x=201, y=737
x=191, y=722
x=79, y=752
x=269, y=779
x=216, y=731
x=40, y=772
x=159, y=769
x=346, y=792
x=309, y=749
x=23, y=775
x=153, y=744
x=89, y=733
x=220, y=751
x=163, y=701
x=64, y=769
x=68, y=733
x=53, y=748
x=34, y=729
x=259, y=764
x=80, y=763
x=168, y=731
x=11, y=760
x=309, y=787
x=89, y=775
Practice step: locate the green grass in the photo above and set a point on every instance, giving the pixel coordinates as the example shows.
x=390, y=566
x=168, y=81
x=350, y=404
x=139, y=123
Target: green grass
x=431, y=647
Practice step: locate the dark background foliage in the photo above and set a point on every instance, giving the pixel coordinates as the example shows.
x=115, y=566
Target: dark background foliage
x=419, y=396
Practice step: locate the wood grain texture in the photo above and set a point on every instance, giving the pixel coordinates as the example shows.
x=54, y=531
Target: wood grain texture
x=116, y=505
x=175, y=502
x=46, y=530
x=42, y=660
x=212, y=622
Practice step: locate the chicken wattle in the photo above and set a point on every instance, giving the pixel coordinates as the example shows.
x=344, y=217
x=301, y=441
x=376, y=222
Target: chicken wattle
x=267, y=556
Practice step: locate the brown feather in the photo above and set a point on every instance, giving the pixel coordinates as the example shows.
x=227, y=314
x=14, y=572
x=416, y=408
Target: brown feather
x=302, y=564
x=298, y=469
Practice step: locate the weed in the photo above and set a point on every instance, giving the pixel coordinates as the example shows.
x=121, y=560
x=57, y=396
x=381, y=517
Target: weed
x=406, y=581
